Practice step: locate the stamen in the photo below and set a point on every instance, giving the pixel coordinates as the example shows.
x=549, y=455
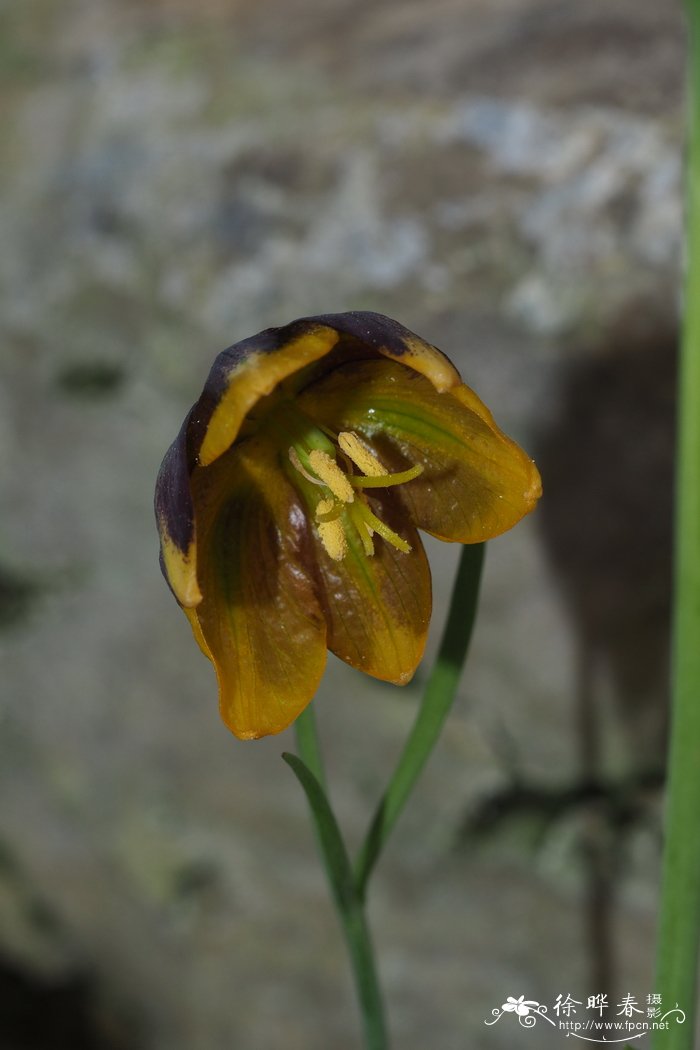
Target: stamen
x=362, y=528
x=331, y=475
x=381, y=529
x=367, y=541
x=329, y=433
x=353, y=447
x=338, y=482
x=387, y=480
x=328, y=510
x=298, y=465
x=333, y=538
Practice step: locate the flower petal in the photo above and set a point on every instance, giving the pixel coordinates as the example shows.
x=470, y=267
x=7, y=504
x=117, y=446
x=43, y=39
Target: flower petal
x=248, y=372
x=175, y=520
x=476, y=483
x=364, y=332
x=259, y=619
x=251, y=369
x=378, y=608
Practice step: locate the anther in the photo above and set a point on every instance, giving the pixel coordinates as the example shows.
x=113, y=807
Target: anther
x=331, y=475
x=333, y=538
x=367, y=463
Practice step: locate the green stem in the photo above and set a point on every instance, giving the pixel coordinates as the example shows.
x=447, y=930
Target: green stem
x=348, y=903
x=437, y=701
x=360, y=949
x=349, y=892
x=679, y=925
x=308, y=743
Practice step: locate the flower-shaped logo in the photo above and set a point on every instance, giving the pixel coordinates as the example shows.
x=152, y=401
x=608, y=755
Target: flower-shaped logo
x=289, y=503
x=520, y=1006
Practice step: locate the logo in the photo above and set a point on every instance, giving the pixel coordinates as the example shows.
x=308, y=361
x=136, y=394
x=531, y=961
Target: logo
x=596, y=1022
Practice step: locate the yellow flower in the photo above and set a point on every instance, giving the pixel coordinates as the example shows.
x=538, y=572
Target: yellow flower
x=289, y=502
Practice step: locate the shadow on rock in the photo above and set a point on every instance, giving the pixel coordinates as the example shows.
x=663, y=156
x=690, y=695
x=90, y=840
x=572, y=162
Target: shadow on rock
x=607, y=464
x=606, y=458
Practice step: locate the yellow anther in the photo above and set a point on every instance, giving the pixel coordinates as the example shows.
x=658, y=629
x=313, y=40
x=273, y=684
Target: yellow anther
x=333, y=538
x=342, y=509
x=330, y=528
x=353, y=447
x=331, y=475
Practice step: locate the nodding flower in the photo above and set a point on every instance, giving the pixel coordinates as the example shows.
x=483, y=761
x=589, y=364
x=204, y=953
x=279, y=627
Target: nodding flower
x=289, y=505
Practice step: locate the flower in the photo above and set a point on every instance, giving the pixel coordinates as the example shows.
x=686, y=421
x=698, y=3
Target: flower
x=520, y=1006
x=289, y=503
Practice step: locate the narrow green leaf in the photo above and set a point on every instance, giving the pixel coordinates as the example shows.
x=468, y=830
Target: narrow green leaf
x=437, y=701
x=679, y=922
x=335, y=855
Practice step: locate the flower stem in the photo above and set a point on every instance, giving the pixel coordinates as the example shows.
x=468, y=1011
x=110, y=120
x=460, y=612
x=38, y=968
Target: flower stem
x=309, y=745
x=359, y=942
x=349, y=905
x=349, y=891
x=437, y=700
x=679, y=925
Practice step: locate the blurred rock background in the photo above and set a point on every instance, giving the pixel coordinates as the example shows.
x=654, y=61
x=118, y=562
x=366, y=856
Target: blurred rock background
x=503, y=177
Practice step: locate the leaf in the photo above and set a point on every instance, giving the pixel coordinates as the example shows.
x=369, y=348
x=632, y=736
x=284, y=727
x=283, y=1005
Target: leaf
x=330, y=839
x=438, y=697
